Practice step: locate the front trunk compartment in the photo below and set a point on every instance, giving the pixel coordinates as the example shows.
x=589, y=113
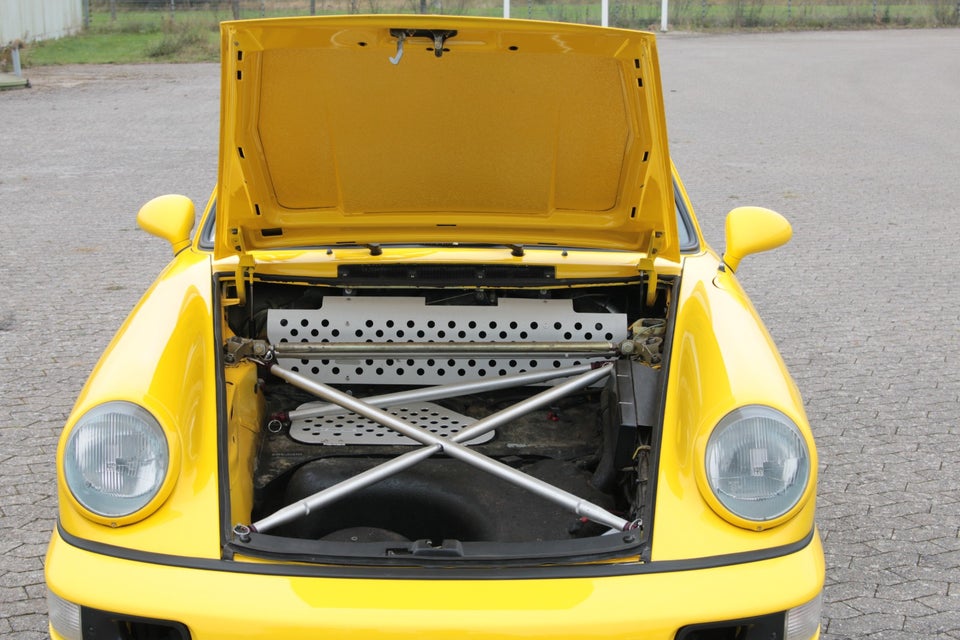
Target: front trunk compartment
x=560, y=479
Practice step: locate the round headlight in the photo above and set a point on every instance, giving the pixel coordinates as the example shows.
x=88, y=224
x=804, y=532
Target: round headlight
x=116, y=459
x=757, y=463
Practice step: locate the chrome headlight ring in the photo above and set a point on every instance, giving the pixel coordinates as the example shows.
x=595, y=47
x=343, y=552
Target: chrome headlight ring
x=757, y=466
x=116, y=461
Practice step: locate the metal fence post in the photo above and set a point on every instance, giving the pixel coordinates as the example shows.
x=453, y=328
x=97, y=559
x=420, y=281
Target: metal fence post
x=15, y=59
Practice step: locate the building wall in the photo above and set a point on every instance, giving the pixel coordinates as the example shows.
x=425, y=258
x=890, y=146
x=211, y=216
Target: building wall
x=30, y=20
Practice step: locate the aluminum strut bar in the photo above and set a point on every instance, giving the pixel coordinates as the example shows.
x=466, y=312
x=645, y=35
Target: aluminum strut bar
x=450, y=446
x=326, y=350
x=438, y=392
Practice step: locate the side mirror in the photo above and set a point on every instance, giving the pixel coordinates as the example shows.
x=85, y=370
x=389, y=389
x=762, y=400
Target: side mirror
x=169, y=217
x=752, y=230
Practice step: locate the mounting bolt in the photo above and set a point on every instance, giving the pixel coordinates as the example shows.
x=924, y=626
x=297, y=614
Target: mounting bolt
x=242, y=532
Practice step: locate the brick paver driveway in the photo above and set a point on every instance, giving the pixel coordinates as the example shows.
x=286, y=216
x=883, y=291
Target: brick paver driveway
x=853, y=136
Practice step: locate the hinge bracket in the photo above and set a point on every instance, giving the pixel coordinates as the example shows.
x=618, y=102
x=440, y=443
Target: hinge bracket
x=647, y=265
x=243, y=273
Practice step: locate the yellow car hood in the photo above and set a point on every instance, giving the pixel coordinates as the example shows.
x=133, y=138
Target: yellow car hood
x=513, y=133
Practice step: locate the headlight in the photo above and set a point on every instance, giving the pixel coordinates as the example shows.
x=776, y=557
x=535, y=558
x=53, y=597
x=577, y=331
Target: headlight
x=757, y=464
x=116, y=459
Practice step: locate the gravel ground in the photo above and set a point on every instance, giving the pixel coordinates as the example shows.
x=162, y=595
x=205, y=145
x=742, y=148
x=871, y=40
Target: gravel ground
x=853, y=136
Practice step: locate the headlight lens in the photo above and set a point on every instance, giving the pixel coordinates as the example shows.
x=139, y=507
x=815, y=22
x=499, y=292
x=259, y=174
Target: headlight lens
x=116, y=459
x=757, y=463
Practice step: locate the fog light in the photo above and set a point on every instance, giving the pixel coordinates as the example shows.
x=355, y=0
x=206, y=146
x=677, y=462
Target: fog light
x=64, y=617
x=803, y=621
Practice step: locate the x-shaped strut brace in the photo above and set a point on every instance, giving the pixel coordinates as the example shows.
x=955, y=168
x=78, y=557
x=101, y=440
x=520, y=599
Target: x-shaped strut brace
x=451, y=446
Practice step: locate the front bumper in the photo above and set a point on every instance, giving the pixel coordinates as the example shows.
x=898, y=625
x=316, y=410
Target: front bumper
x=231, y=603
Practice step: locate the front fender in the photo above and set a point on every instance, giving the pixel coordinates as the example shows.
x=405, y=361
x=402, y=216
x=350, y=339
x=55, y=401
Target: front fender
x=163, y=358
x=722, y=358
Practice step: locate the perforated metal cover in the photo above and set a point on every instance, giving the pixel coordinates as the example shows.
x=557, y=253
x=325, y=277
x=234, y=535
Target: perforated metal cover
x=409, y=319
x=350, y=428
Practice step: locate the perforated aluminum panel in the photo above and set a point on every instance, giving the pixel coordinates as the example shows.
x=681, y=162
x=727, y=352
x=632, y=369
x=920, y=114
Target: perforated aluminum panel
x=409, y=319
x=350, y=428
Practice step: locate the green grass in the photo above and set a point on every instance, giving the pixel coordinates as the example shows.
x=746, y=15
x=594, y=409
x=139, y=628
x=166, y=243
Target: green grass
x=89, y=48
x=134, y=37
x=193, y=35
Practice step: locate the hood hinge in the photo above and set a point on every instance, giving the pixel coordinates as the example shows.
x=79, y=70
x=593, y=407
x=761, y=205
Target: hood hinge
x=647, y=265
x=243, y=273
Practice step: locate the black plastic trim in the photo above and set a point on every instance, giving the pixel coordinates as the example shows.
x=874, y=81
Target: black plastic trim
x=440, y=275
x=459, y=572
x=504, y=284
x=223, y=446
x=108, y=625
x=421, y=553
x=657, y=435
x=686, y=220
x=770, y=626
x=206, y=237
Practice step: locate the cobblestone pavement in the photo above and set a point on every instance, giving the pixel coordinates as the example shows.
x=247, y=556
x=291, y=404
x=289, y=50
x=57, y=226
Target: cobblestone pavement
x=853, y=136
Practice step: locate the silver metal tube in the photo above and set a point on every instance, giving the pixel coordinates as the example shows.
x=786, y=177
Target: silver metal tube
x=357, y=406
x=446, y=391
x=333, y=493
x=371, y=476
x=326, y=496
x=543, y=489
x=524, y=407
x=314, y=350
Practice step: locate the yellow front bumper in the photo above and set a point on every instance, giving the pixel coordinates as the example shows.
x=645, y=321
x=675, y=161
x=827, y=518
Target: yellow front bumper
x=229, y=604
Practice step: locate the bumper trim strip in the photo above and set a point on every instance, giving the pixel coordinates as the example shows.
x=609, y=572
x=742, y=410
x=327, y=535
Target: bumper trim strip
x=446, y=572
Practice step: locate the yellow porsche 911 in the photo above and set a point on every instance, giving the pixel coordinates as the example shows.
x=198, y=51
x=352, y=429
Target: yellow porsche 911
x=446, y=358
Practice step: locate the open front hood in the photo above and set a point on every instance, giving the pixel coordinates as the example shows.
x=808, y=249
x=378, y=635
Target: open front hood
x=473, y=131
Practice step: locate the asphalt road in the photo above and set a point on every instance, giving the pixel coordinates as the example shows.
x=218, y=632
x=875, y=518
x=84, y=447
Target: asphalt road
x=855, y=137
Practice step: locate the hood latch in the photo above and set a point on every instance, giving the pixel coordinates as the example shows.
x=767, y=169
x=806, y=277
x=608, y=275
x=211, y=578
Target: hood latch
x=439, y=37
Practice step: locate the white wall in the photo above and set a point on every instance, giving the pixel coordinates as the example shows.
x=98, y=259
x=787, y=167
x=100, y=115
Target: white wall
x=39, y=19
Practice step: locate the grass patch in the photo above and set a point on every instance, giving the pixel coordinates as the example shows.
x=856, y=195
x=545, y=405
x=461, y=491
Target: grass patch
x=186, y=43
x=134, y=37
x=89, y=48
